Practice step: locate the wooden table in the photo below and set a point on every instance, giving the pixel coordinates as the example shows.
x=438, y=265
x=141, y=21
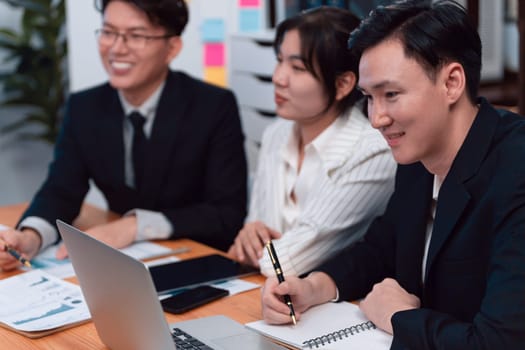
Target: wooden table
x=244, y=307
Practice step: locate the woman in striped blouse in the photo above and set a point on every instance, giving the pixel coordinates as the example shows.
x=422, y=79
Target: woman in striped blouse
x=323, y=172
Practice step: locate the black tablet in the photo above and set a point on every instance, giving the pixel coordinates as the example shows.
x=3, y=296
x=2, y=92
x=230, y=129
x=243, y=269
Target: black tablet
x=193, y=272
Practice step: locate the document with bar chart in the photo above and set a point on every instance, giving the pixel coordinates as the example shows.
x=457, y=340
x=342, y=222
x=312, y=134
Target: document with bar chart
x=36, y=303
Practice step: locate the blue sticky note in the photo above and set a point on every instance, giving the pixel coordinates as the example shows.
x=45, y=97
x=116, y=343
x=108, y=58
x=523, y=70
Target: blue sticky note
x=213, y=30
x=249, y=20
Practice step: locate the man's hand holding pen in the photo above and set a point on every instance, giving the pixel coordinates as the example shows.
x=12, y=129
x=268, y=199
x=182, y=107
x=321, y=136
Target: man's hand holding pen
x=316, y=288
x=275, y=310
x=17, y=247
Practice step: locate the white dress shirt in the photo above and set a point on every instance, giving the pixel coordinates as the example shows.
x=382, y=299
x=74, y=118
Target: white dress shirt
x=298, y=183
x=348, y=179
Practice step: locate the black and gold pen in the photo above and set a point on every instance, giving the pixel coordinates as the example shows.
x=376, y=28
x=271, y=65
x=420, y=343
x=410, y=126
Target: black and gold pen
x=16, y=255
x=280, y=277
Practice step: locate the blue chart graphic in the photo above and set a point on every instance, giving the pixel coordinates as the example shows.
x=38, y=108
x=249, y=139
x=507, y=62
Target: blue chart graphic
x=42, y=281
x=62, y=308
x=44, y=262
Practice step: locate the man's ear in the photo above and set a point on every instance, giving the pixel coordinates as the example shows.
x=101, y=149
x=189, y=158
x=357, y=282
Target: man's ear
x=344, y=85
x=175, y=45
x=455, y=81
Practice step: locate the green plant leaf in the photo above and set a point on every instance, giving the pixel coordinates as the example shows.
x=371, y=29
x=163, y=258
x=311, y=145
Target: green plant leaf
x=38, y=54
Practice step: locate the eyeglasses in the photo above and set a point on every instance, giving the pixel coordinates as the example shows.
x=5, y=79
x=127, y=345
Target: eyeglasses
x=134, y=41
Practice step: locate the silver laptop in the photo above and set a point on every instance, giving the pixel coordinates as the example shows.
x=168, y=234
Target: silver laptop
x=125, y=307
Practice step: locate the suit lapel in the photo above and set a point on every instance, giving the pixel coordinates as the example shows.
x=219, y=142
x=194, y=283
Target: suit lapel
x=110, y=135
x=454, y=195
x=452, y=200
x=412, y=233
x=170, y=110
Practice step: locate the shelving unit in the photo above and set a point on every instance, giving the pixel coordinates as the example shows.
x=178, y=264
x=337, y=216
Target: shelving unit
x=511, y=90
x=251, y=69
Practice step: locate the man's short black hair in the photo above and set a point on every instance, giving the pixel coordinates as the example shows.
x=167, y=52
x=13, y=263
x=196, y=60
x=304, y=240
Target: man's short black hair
x=169, y=14
x=433, y=34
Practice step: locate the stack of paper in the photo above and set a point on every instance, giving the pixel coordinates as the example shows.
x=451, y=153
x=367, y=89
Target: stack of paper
x=63, y=268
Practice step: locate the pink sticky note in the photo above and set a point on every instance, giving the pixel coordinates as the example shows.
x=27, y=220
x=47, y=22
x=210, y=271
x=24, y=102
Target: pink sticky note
x=214, y=54
x=249, y=3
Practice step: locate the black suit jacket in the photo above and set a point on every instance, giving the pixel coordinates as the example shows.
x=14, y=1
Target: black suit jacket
x=195, y=170
x=474, y=291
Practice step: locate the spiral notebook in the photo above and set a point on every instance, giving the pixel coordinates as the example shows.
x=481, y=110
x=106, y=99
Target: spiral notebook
x=328, y=326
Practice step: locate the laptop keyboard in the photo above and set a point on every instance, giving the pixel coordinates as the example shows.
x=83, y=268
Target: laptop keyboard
x=185, y=341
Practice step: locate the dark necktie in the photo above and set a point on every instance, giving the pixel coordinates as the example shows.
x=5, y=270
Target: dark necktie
x=138, y=148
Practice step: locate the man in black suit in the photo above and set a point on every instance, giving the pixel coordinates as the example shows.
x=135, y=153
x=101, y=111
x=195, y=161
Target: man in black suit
x=182, y=173
x=444, y=267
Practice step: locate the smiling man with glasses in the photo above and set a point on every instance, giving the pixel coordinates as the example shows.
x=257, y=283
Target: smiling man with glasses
x=165, y=149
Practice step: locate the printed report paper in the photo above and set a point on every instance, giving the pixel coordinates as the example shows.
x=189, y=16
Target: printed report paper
x=37, y=301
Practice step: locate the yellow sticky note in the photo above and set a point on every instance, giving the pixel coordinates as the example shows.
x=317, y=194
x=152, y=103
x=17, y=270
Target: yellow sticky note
x=215, y=75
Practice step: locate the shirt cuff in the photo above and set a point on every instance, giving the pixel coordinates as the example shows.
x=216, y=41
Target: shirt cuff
x=336, y=299
x=265, y=266
x=47, y=232
x=151, y=225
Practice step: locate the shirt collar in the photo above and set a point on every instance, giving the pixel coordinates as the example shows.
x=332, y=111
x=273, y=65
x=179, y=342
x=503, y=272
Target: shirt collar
x=147, y=109
x=322, y=141
x=319, y=145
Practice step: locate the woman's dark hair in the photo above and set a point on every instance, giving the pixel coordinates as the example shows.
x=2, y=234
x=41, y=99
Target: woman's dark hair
x=324, y=33
x=433, y=34
x=169, y=14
